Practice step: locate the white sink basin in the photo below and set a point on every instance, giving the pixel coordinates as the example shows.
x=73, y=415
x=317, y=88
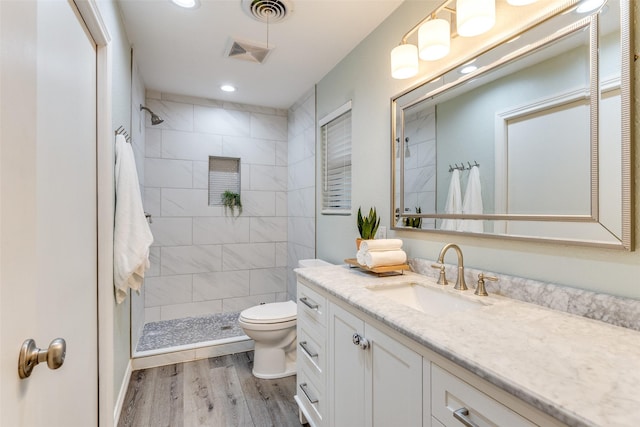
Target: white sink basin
x=426, y=299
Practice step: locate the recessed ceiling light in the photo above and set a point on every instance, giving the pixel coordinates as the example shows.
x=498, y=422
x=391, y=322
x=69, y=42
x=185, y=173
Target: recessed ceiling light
x=187, y=4
x=228, y=88
x=468, y=69
x=589, y=5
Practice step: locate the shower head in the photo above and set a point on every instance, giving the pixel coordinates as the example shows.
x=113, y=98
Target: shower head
x=155, y=120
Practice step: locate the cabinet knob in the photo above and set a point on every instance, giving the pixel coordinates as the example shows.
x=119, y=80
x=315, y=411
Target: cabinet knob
x=360, y=341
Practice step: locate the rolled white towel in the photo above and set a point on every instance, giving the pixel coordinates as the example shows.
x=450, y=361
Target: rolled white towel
x=381, y=245
x=384, y=258
x=360, y=257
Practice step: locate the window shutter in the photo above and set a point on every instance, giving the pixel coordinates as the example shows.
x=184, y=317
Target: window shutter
x=336, y=162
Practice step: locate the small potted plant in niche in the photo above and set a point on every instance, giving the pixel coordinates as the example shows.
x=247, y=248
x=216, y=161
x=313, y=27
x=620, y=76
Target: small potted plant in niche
x=367, y=226
x=231, y=201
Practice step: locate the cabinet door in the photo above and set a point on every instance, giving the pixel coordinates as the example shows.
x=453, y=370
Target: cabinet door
x=394, y=379
x=346, y=382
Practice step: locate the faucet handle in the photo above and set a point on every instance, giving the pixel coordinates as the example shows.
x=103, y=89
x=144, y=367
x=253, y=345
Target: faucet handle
x=442, y=278
x=480, y=289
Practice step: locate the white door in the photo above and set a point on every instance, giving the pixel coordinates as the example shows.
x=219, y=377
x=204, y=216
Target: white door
x=48, y=255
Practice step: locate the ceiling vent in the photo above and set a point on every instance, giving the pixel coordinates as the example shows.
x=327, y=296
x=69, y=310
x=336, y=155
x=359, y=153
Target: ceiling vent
x=270, y=11
x=248, y=51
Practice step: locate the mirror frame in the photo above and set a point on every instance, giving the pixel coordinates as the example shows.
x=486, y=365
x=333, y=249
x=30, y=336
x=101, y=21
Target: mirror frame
x=591, y=22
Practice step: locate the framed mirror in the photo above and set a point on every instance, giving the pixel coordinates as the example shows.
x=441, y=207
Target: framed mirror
x=533, y=144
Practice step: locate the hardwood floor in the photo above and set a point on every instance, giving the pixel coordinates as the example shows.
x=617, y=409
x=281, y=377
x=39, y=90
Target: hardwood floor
x=216, y=392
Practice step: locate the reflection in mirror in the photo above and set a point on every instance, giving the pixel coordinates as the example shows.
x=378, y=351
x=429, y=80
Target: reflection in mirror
x=529, y=146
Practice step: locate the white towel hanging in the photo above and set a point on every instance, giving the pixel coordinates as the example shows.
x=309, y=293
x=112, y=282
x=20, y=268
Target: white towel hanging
x=132, y=236
x=472, y=203
x=454, y=202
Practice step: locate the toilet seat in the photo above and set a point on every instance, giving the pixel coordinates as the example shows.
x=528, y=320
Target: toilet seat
x=275, y=312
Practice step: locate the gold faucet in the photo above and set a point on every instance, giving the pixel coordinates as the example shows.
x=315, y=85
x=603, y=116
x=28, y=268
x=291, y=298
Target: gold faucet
x=460, y=283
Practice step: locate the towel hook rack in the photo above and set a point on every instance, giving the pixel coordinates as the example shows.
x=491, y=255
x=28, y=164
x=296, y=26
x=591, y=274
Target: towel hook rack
x=462, y=167
x=122, y=131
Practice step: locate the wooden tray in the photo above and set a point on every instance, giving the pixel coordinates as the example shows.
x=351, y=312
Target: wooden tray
x=398, y=269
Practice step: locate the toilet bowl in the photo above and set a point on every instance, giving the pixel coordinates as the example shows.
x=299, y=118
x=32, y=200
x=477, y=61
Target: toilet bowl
x=273, y=329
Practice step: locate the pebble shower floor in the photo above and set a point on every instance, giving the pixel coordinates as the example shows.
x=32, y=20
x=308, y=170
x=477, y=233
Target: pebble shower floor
x=189, y=330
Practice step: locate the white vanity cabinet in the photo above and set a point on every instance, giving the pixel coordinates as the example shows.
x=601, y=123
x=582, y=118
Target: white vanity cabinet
x=373, y=379
x=353, y=370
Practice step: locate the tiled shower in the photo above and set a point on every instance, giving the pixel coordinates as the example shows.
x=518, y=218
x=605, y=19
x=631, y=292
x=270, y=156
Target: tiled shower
x=206, y=261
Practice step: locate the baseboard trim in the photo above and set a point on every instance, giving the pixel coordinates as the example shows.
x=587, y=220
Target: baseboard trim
x=123, y=391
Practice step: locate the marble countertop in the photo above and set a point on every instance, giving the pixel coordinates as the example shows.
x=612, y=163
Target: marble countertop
x=582, y=372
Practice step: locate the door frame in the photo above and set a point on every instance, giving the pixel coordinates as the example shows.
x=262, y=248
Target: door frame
x=90, y=13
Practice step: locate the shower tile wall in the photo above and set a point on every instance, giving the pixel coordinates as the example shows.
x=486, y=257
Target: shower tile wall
x=301, y=184
x=137, y=133
x=204, y=260
x=420, y=163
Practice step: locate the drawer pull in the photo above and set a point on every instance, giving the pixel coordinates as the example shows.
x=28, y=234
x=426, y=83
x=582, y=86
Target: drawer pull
x=306, y=349
x=305, y=390
x=462, y=416
x=312, y=305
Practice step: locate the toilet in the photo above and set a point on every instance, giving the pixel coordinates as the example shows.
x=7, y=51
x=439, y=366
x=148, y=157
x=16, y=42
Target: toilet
x=272, y=327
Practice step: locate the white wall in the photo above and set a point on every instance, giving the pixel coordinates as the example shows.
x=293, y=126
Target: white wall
x=204, y=260
x=121, y=116
x=364, y=77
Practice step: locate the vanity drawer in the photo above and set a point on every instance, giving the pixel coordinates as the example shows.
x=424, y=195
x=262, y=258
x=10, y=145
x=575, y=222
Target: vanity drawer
x=451, y=395
x=311, y=349
x=311, y=306
x=310, y=397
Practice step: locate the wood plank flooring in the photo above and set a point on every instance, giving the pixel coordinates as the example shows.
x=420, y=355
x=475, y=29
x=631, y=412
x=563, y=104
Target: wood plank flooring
x=215, y=392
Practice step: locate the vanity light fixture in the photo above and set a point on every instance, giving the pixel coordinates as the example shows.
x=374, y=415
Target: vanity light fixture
x=404, y=61
x=187, y=4
x=473, y=17
x=434, y=39
x=228, y=88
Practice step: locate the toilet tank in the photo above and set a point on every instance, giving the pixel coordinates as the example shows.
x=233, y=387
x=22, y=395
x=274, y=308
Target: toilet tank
x=312, y=263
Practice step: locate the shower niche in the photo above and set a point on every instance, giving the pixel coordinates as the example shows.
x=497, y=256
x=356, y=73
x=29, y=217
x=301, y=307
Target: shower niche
x=224, y=182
